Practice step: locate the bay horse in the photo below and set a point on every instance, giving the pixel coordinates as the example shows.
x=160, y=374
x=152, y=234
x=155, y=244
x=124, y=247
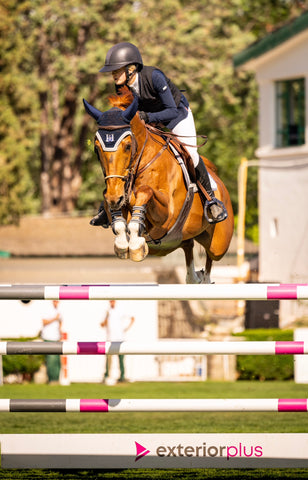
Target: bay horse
x=146, y=193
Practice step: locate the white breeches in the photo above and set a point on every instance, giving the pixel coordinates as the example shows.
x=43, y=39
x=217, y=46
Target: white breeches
x=186, y=131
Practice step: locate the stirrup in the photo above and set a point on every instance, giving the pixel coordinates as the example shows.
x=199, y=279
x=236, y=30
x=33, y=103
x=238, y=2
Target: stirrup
x=207, y=207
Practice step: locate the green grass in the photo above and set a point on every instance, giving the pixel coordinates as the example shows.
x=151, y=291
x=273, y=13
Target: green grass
x=194, y=422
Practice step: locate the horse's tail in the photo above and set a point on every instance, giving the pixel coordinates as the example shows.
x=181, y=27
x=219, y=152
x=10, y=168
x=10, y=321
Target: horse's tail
x=210, y=165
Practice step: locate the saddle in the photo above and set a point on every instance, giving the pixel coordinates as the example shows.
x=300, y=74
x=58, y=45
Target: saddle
x=174, y=236
x=179, y=150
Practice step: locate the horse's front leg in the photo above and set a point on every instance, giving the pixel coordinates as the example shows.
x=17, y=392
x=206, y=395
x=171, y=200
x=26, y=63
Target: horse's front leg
x=119, y=228
x=146, y=199
x=138, y=248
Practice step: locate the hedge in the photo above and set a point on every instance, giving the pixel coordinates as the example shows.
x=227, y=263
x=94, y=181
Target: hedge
x=27, y=365
x=265, y=367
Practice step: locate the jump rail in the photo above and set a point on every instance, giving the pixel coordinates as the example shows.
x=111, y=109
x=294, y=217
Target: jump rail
x=155, y=405
x=154, y=348
x=248, y=291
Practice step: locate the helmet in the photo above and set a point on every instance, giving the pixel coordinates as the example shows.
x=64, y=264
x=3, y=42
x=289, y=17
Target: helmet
x=120, y=55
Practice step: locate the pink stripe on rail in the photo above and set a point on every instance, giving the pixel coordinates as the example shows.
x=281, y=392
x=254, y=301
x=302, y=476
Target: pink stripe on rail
x=292, y=405
x=289, y=348
x=74, y=292
x=282, y=292
x=91, y=348
x=94, y=405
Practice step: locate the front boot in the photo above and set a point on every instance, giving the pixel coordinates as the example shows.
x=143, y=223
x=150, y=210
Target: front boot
x=214, y=207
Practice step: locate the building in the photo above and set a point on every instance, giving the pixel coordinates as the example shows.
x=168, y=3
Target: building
x=280, y=63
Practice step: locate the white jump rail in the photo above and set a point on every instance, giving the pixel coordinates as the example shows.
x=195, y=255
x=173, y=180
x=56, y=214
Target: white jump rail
x=155, y=348
x=247, y=291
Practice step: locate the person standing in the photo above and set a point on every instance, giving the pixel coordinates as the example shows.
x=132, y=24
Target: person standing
x=52, y=332
x=114, y=323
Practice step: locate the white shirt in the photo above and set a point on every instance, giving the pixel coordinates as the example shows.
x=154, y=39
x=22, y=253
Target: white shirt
x=115, y=324
x=51, y=332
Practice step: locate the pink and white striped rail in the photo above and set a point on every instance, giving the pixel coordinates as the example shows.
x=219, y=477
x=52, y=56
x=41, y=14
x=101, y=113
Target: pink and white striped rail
x=154, y=348
x=156, y=405
x=248, y=291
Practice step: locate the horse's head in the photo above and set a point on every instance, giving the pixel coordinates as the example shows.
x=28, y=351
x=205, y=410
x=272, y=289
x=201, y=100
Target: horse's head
x=115, y=145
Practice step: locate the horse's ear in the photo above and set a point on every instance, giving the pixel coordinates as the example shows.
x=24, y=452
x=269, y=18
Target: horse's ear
x=92, y=111
x=131, y=111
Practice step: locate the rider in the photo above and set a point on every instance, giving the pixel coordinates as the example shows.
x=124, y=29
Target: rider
x=160, y=101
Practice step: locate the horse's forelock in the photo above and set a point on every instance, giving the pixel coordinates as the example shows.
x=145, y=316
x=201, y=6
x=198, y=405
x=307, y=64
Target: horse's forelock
x=123, y=100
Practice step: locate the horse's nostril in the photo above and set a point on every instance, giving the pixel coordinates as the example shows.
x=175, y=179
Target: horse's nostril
x=116, y=204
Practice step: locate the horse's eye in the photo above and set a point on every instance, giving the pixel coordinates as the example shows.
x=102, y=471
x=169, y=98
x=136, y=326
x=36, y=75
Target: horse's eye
x=127, y=147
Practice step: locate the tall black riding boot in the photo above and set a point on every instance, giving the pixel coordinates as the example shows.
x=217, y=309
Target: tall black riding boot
x=101, y=219
x=214, y=207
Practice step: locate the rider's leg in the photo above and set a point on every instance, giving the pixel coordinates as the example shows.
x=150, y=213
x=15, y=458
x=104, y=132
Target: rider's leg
x=101, y=218
x=186, y=128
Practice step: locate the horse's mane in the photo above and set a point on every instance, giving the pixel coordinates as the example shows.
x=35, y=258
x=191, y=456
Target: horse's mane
x=123, y=100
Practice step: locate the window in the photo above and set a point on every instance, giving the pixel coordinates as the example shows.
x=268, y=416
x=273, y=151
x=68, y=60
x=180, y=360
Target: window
x=290, y=112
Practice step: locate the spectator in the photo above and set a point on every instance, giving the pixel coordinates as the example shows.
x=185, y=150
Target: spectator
x=51, y=332
x=115, y=332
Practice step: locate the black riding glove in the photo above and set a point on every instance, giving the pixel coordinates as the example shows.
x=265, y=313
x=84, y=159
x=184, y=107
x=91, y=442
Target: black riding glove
x=144, y=116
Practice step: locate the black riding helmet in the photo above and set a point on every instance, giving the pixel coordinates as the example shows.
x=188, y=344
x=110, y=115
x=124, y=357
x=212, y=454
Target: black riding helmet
x=121, y=55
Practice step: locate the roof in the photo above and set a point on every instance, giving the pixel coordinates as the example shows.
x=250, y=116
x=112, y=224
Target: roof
x=273, y=40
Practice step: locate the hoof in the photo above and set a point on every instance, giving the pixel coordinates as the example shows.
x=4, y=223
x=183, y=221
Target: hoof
x=138, y=253
x=121, y=249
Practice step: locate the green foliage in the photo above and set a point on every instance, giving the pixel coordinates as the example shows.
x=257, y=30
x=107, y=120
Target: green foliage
x=265, y=367
x=51, y=53
x=24, y=364
x=27, y=365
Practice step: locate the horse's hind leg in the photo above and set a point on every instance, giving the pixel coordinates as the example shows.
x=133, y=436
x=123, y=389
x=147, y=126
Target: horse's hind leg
x=191, y=275
x=208, y=268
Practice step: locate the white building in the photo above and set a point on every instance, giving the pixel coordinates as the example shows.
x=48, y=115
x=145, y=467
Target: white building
x=280, y=62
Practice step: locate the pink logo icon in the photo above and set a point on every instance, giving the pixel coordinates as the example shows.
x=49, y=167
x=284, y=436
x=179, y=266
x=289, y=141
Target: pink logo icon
x=140, y=451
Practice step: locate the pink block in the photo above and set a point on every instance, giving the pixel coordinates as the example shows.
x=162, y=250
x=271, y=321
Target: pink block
x=282, y=292
x=94, y=405
x=289, y=348
x=74, y=292
x=91, y=348
x=292, y=405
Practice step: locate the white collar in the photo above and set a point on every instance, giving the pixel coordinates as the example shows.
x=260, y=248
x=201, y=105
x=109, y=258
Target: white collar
x=135, y=85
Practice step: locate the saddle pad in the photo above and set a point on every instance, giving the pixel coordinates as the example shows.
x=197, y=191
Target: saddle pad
x=181, y=162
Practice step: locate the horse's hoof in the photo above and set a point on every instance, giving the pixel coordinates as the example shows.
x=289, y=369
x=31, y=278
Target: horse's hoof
x=139, y=254
x=121, y=253
x=121, y=249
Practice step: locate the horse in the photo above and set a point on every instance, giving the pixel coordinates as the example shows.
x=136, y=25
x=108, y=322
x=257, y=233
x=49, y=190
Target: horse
x=146, y=194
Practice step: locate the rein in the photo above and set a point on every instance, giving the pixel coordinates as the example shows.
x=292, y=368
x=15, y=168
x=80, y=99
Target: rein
x=174, y=137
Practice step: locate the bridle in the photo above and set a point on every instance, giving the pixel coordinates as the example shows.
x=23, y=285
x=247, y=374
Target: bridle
x=134, y=162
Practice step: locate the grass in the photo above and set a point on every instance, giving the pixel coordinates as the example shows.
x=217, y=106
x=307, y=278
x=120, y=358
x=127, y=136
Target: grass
x=194, y=422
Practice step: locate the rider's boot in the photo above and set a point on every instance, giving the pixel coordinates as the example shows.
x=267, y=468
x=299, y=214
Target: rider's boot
x=215, y=207
x=101, y=219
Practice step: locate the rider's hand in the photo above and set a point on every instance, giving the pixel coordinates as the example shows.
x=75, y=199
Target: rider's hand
x=144, y=116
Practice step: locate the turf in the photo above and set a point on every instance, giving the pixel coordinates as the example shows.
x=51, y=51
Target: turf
x=155, y=422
